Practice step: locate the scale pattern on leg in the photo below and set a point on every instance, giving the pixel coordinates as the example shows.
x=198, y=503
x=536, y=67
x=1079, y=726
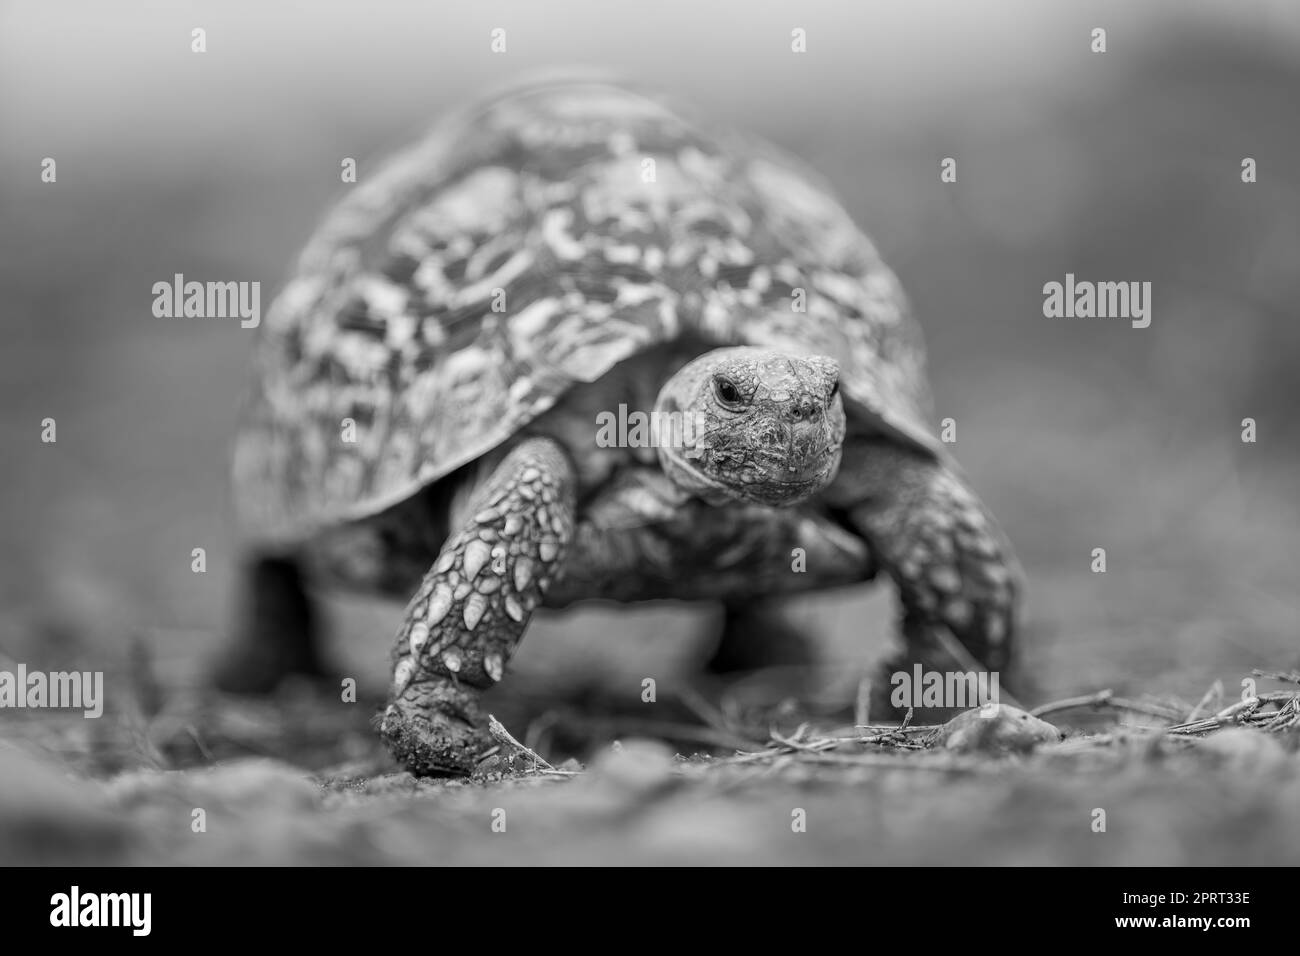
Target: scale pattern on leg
x=952, y=564
x=471, y=609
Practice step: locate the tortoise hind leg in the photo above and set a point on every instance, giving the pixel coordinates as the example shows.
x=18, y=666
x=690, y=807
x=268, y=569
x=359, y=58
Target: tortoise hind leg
x=954, y=569
x=472, y=607
x=279, y=636
x=757, y=635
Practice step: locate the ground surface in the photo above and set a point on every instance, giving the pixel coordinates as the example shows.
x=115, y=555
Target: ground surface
x=318, y=792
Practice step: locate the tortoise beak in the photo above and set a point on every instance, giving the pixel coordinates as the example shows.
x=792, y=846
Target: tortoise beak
x=810, y=442
x=814, y=466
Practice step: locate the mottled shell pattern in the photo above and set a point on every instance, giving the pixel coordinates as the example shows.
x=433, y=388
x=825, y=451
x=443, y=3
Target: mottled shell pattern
x=529, y=245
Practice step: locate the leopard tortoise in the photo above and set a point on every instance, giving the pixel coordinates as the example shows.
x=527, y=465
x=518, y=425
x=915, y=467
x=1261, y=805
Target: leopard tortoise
x=431, y=392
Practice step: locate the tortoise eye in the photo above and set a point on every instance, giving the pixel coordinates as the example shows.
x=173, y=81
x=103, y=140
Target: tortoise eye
x=726, y=391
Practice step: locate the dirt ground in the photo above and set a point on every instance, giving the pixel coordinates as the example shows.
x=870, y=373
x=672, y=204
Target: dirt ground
x=298, y=779
x=1078, y=435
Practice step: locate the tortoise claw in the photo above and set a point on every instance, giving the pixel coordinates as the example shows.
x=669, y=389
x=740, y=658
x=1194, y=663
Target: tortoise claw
x=436, y=740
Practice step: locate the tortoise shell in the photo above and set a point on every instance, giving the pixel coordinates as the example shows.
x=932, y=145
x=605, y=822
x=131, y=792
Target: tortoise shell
x=528, y=246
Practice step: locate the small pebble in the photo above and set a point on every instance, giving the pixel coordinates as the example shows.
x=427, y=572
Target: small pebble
x=1000, y=729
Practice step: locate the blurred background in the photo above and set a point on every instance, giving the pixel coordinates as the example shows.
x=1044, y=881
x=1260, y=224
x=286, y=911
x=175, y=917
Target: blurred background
x=1079, y=433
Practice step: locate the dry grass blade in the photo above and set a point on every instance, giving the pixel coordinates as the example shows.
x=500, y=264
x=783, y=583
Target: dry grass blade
x=1214, y=693
x=1289, y=677
x=1107, y=698
x=504, y=737
x=862, y=704
x=713, y=717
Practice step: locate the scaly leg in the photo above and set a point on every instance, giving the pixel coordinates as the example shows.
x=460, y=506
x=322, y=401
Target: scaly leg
x=471, y=609
x=953, y=567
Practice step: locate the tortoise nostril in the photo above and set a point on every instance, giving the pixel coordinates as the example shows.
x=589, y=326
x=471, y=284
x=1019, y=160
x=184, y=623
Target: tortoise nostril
x=805, y=408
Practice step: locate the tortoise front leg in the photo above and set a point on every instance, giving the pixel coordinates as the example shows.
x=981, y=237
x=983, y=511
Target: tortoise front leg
x=953, y=566
x=464, y=622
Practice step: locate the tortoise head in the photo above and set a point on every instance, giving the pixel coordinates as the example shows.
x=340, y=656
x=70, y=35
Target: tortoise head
x=753, y=424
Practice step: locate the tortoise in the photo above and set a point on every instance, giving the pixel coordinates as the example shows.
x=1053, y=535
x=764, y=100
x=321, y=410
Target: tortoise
x=433, y=389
